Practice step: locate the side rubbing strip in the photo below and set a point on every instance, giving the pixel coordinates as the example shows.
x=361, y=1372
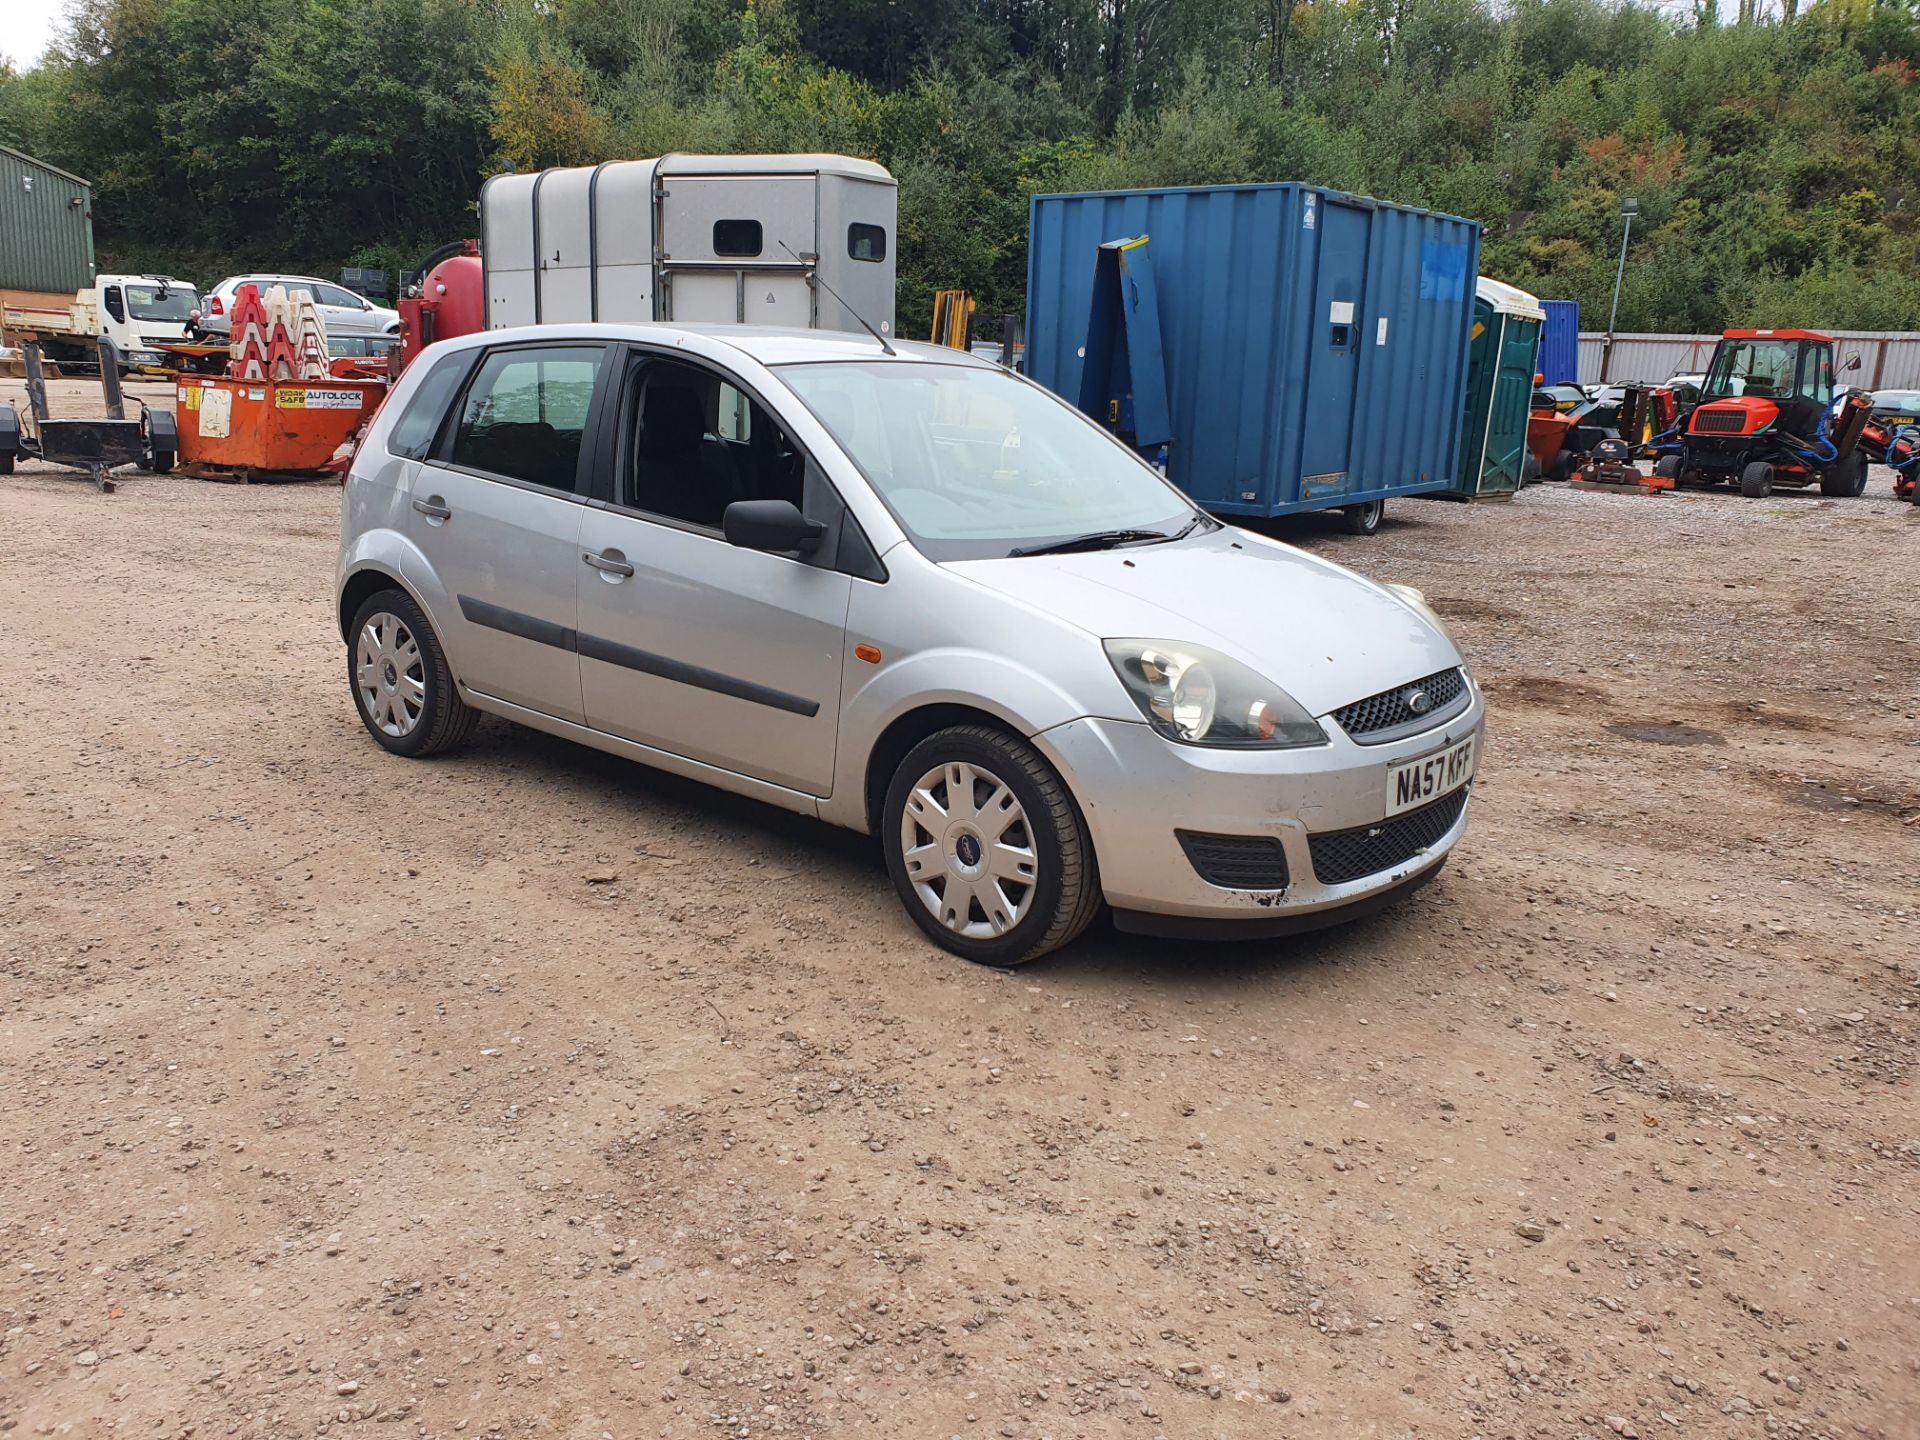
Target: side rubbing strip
x=545, y=632
x=614, y=653
x=527, y=627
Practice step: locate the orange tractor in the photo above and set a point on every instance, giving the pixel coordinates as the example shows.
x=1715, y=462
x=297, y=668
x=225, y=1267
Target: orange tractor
x=1769, y=415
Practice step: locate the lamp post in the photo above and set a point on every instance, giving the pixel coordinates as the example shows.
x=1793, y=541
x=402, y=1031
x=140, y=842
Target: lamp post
x=1628, y=209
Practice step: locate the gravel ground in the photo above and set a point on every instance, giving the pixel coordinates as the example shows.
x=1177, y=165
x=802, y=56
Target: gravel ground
x=532, y=1093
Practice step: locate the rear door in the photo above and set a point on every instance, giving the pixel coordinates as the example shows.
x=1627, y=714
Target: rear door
x=344, y=312
x=496, y=514
x=739, y=248
x=1333, y=374
x=688, y=644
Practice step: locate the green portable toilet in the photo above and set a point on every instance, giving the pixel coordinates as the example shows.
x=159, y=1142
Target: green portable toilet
x=1506, y=341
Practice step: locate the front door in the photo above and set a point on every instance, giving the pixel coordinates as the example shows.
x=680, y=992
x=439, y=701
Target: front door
x=1333, y=374
x=688, y=644
x=496, y=514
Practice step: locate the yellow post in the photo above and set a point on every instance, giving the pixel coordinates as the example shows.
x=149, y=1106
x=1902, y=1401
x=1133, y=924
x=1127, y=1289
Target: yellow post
x=952, y=319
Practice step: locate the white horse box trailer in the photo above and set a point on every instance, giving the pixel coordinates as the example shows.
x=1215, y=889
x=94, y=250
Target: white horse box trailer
x=729, y=238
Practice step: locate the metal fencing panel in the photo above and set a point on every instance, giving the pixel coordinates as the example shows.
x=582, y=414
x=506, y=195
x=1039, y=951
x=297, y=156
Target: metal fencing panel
x=1889, y=359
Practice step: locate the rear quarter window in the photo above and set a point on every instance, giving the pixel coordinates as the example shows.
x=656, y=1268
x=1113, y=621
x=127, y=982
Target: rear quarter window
x=412, y=434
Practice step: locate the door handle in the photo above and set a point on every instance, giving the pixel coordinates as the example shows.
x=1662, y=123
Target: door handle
x=607, y=565
x=432, y=509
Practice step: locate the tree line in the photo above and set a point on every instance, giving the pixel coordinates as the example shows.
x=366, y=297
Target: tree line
x=1775, y=158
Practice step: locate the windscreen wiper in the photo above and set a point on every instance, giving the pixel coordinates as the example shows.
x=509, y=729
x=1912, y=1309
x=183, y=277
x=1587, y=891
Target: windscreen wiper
x=1094, y=540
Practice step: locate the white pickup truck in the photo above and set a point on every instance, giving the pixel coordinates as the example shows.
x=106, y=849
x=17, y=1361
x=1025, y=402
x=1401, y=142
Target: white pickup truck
x=135, y=312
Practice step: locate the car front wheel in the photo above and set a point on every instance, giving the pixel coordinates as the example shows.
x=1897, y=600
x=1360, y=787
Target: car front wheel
x=987, y=849
x=401, y=684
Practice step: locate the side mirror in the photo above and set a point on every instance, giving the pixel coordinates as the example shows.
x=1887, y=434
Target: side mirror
x=774, y=525
x=1853, y=361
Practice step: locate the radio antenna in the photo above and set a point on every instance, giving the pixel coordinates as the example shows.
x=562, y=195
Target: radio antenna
x=814, y=278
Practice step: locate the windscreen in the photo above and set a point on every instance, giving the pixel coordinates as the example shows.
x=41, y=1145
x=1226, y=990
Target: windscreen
x=974, y=462
x=1752, y=367
x=149, y=302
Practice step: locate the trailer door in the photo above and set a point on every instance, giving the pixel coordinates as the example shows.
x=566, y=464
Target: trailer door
x=738, y=248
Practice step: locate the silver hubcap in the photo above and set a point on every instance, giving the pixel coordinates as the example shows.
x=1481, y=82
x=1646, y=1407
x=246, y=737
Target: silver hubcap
x=969, y=850
x=389, y=675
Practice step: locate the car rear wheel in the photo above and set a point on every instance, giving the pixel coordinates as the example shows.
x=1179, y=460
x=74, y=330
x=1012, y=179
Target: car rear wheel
x=401, y=684
x=1756, y=481
x=1364, y=519
x=986, y=848
x=1846, y=477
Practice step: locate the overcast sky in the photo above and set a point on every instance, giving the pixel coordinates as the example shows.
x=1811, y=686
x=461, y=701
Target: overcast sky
x=28, y=29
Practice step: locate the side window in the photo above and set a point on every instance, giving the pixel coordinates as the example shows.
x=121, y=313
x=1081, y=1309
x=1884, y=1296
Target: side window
x=700, y=444
x=1820, y=362
x=525, y=413
x=334, y=295
x=412, y=434
x=736, y=237
x=866, y=242
x=116, y=303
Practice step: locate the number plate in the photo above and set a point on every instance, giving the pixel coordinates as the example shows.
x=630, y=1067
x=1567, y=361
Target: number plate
x=1428, y=778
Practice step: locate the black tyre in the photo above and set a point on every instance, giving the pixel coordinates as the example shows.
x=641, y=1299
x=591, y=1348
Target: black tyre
x=401, y=685
x=1529, y=469
x=157, y=462
x=1847, y=477
x=1564, y=464
x=986, y=847
x=1756, y=481
x=1363, y=519
x=1668, y=468
x=6, y=462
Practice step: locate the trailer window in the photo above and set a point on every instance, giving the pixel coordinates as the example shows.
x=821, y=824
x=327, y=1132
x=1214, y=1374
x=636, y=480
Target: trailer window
x=736, y=238
x=525, y=414
x=866, y=242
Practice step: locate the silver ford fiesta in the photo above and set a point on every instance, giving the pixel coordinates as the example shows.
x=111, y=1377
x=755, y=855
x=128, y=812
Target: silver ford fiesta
x=910, y=593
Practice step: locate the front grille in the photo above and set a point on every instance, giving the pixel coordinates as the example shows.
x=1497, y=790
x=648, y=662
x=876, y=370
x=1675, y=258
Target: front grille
x=1389, y=710
x=1720, y=422
x=1236, y=862
x=1343, y=855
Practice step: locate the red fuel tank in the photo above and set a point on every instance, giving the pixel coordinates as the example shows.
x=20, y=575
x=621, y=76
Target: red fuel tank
x=452, y=301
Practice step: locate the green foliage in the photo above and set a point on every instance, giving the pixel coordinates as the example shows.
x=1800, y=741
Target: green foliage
x=1776, y=166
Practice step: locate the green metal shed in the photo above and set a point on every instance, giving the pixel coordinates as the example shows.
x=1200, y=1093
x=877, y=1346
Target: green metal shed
x=1506, y=340
x=46, y=227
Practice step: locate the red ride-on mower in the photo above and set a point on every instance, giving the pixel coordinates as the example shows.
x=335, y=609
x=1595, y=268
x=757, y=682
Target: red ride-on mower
x=1903, y=454
x=1769, y=414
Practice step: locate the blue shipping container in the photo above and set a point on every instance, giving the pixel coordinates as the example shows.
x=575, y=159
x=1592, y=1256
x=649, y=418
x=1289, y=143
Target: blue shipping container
x=1313, y=344
x=1559, y=360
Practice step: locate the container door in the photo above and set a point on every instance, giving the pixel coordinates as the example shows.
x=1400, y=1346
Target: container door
x=1483, y=359
x=1333, y=372
x=739, y=247
x=1512, y=407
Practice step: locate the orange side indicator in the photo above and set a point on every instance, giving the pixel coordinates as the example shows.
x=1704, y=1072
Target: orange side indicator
x=868, y=653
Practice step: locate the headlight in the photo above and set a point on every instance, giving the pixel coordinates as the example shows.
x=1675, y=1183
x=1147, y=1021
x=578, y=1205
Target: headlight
x=1417, y=601
x=1198, y=696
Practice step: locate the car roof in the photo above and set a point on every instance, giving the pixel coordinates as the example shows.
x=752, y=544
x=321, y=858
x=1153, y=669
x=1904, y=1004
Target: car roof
x=768, y=344
x=253, y=275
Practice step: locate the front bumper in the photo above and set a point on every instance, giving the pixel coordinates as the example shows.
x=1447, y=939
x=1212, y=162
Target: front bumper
x=1137, y=789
